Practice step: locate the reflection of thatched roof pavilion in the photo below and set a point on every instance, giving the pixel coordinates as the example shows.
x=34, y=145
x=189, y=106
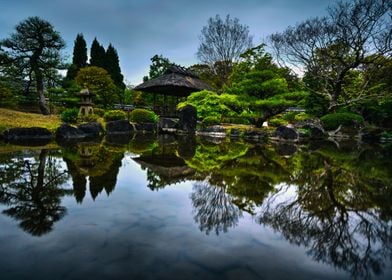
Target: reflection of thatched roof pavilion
x=177, y=81
x=170, y=168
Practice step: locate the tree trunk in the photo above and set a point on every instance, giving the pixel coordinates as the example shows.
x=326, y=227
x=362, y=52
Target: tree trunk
x=40, y=91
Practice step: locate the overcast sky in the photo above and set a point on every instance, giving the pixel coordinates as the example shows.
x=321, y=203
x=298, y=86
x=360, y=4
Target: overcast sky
x=139, y=29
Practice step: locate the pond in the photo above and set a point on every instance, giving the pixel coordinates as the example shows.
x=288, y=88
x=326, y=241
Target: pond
x=195, y=208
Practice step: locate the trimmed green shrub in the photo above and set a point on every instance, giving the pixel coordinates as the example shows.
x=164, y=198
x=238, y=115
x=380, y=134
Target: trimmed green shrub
x=211, y=120
x=275, y=122
x=91, y=118
x=98, y=111
x=236, y=120
x=70, y=115
x=333, y=121
x=114, y=115
x=143, y=115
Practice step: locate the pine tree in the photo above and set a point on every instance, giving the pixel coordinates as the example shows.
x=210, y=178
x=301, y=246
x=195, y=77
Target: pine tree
x=112, y=65
x=97, y=54
x=80, y=52
x=79, y=58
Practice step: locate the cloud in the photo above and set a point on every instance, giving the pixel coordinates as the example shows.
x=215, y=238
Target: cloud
x=139, y=29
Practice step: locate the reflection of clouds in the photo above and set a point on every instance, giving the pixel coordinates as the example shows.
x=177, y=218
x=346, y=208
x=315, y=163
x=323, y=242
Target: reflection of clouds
x=213, y=208
x=354, y=240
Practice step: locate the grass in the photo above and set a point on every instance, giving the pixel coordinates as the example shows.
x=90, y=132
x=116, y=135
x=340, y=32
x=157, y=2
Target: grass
x=11, y=119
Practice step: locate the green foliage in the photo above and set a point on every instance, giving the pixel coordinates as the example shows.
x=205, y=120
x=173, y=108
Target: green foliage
x=301, y=117
x=70, y=115
x=376, y=112
x=333, y=121
x=295, y=116
x=208, y=104
x=6, y=95
x=33, y=54
x=99, y=81
x=211, y=120
x=143, y=115
x=316, y=104
x=97, y=54
x=90, y=118
x=70, y=102
x=79, y=57
x=159, y=65
x=99, y=112
x=277, y=121
x=112, y=65
x=260, y=84
x=114, y=115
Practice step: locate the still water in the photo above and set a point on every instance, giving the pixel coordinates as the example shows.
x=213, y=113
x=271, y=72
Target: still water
x=191, y=208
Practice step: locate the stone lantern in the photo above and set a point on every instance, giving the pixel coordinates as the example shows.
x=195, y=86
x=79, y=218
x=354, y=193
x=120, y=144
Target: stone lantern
x=86, y=102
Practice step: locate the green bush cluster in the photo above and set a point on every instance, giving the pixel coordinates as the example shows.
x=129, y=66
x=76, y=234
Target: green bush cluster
x=70, y=115
x=114, y=115
x=333, y=121
x=100, y=112
x=211, y=120
x=143, y=115
x=90, y=118
x=275, y=122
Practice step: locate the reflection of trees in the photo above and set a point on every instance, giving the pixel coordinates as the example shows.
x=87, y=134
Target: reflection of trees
x=31, y=190
x=337, y=212
x=214, y=208
x=101, y=163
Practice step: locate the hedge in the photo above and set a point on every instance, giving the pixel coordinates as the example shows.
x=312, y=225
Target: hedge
x=333, y=121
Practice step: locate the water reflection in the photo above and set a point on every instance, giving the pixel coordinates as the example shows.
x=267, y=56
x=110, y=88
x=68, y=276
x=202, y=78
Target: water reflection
x=214, y=209
x=332, y=200
x=31, y=190
x=96, y=162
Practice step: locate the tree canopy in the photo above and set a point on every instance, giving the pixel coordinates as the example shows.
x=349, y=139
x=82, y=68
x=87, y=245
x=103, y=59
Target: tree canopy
x=33, y=50
x=79, y=57
x=353, y=36
x=222, y=42
x=99, y=81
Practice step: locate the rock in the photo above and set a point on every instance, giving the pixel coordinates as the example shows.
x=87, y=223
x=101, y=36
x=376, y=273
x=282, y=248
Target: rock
x=235, y=133
x=145, y=127
x=311, y=128
x=118, y=139
x=119, y=127
x=167, y=125
x=28, y=135
x=186, y=147
x=370, y=134
x=286, y=133
x=213, y=131
x=93, y=129
x=286, y=149
x=255, y=135
x=188, y=119
x=68, y=132
x=315, y=132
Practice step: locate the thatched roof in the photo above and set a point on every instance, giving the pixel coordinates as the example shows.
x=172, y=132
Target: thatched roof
x=176, y=81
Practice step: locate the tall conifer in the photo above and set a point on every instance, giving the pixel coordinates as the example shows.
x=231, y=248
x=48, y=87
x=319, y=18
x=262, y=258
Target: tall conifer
x=112, y=65
x=80, y=52
x=79, y=58
x=97, y=54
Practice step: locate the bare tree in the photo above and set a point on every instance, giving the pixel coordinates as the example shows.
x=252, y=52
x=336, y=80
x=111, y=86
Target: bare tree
x=222, y=42
x=354, y=34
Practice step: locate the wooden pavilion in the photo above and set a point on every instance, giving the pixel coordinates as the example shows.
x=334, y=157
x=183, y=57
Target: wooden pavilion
x=177, y=82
